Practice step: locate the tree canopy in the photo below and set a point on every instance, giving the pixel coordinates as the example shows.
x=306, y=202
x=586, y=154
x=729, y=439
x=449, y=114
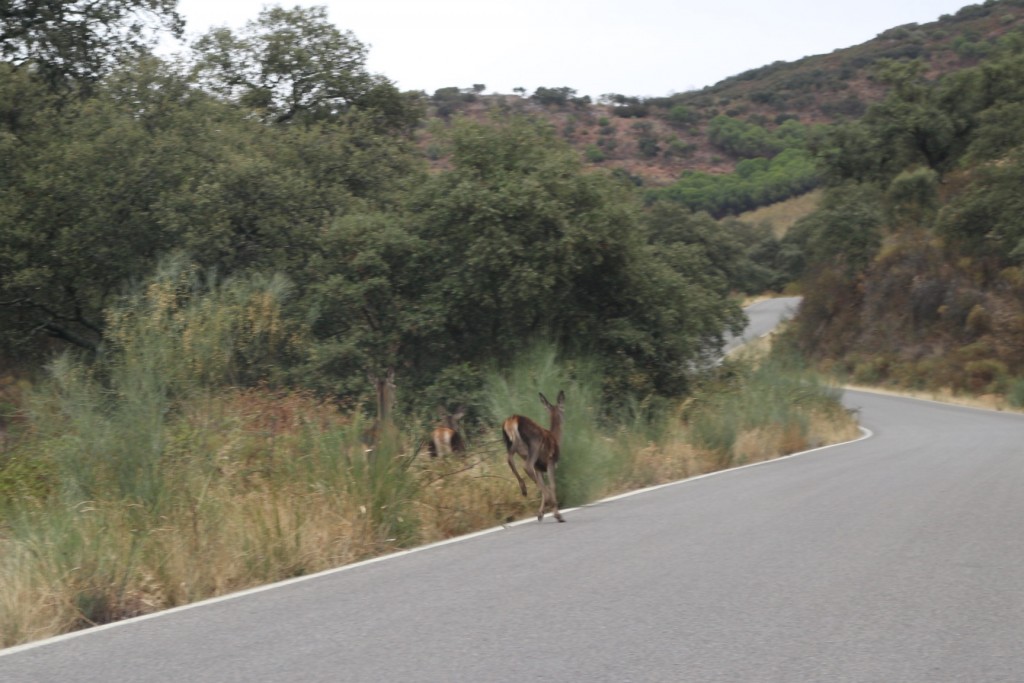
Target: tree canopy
x=293, y=64
x=77, y=42
x=275, y=154
x=510, y=245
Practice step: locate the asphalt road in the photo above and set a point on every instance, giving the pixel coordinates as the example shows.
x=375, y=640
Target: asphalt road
x=895, y=558
x=762, y=318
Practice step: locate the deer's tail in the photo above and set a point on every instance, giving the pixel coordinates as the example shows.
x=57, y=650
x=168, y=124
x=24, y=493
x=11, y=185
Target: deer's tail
x=510, y=432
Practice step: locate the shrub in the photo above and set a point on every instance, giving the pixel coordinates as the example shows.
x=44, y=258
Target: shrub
x=872, y=370
x=1015, y=393
x=682, y=115
x=985, y=376
x=26, y=476
x=775, y=394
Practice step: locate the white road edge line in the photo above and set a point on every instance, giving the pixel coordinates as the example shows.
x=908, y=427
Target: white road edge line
x=865, y=433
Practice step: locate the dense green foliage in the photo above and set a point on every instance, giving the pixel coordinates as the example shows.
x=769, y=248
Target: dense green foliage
x=756, y=182
x=272, y=152
x=913, y=265
x=92, y=198
x=749, y=140
x=293, y=65
x=772, y=165
x=511, y=243
x=69, y=45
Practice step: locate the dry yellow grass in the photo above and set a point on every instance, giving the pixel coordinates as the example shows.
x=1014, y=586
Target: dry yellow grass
x=459, y=495
x=674, y=457
x=782, y=215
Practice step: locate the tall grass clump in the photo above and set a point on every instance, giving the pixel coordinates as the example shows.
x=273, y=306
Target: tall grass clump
x=179, y=335
x=384, y=488
x=756, y=407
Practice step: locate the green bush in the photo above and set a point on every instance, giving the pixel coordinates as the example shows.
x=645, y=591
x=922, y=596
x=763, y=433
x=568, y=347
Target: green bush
x=174, y=338
x=595, y=154
x=985, y=376
x=1015, y=392
x=756, y=182
x=683, y=115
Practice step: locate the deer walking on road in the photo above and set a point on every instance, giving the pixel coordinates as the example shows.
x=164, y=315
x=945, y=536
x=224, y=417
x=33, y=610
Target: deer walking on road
x=539, y=447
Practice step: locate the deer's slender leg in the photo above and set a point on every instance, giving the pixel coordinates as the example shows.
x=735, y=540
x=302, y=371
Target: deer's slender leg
x=554, y=493
x=512, y=464
x=538, y=479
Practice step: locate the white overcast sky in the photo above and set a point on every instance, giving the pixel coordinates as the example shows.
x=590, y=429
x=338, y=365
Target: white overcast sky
x=644, y=48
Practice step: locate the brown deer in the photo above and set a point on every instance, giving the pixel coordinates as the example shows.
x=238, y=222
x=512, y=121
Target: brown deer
x=539, y=447
x=447, y=438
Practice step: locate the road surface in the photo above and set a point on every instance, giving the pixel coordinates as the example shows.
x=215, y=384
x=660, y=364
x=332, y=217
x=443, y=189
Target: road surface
x=762, y=318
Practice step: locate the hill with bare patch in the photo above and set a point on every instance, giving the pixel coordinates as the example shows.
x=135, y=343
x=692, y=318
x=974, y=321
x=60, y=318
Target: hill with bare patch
x=654, y=140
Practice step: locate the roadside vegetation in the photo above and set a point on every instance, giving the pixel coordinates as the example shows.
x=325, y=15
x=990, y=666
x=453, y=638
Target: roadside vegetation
x=143, y=481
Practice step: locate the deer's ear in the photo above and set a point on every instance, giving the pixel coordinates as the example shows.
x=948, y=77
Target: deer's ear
x=544, y=400
x=561, y=398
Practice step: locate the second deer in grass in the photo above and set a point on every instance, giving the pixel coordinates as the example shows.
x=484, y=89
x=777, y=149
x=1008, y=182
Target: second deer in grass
x=447, y=438
x=539, y=447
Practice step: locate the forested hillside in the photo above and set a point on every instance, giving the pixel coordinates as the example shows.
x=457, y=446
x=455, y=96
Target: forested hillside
x=757, y=113
x=913, y=262
x=435, y=233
